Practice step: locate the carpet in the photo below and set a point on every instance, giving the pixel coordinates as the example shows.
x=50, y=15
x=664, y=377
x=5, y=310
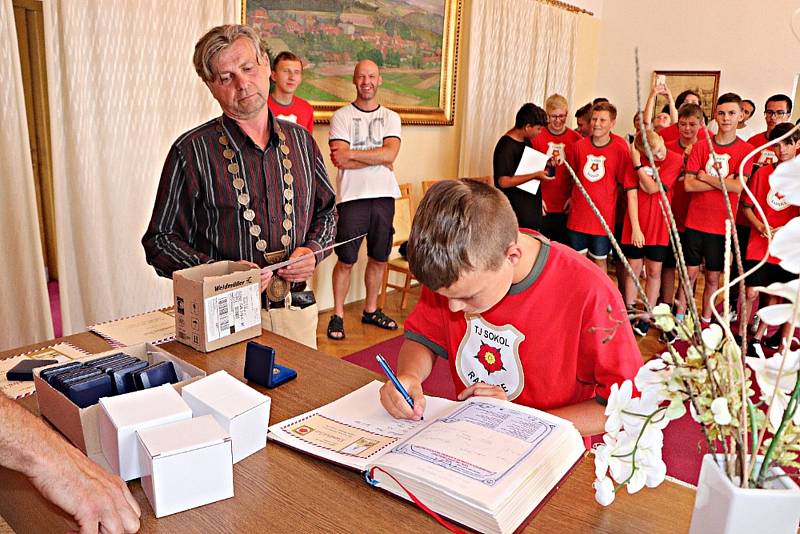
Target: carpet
x=684, y=444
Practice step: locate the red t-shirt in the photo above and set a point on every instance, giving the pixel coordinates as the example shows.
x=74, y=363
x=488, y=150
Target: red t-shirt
x=543, y=345
x=679, y=199
x=602, y=171
x=778, y=212
x=707, y=212
x=768, y=156
x=555, y=193
x=671, y=132
x=651, y=220
x=299, y=112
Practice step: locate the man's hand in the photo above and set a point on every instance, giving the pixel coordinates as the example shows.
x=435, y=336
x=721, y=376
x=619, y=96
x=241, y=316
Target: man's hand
x=637, y=237
x=394, y=403
x=542, y=176
x=265, y=275
x=340, y=155
x=482, y=389
x=96, y=499
x=303, y=269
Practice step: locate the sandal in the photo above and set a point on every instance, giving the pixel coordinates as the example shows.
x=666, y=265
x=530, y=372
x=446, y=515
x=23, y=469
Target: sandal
x=336, y=326
x=379, y=319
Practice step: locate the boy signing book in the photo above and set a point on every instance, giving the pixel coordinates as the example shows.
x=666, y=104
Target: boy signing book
x=516, y=316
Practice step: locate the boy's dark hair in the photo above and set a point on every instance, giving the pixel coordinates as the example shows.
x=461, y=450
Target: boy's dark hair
x=530, y=114
x=690, y=110
x=782, y=129
x=460, y=226
x=730, y=98
x=682, y=96
x=780, y=98
x=598, y=100
x=583, y=110
x=285, y=56
x=752, y=104
x=606, y=106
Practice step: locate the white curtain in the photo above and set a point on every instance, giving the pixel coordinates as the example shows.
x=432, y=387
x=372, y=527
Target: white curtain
x=24, y=307
x=122, y=88
x=519, y=51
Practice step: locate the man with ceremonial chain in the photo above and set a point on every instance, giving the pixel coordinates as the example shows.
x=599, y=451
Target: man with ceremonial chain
x=245, y=187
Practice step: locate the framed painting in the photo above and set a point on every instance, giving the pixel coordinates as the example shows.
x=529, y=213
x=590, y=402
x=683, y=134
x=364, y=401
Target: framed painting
x=703, y=82
x=414, y=42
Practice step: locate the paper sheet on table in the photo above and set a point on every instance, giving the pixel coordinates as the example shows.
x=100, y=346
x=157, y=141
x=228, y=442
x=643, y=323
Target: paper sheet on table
x=532, y=161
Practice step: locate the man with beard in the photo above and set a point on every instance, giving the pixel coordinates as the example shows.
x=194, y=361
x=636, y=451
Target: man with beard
x=364, y=140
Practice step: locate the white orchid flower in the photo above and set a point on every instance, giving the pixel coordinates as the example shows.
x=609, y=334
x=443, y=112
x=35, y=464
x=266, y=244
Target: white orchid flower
x=619, y=400
x=766, y=370
x=604, y=491
x=662, y=316
x=712, y=336
x=777, y=314
x=653, y=375
x=784, y=246
x=719, y=407
x=784, y=179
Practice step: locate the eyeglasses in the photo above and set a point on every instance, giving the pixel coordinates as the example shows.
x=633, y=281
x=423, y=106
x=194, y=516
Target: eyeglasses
x=557, y=117
x=770, y=113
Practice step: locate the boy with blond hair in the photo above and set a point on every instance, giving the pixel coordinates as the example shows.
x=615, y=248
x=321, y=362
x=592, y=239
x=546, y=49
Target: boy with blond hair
x=556, y=140
x=494, y=306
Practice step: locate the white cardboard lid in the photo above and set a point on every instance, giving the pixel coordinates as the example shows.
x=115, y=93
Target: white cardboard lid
x=182, y=436
x=139, y=407
x=225, y=394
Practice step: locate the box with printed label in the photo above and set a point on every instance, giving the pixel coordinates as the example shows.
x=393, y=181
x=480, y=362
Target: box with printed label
x=238, y=408
x=185, y=465
x=122, y=416
x=80, y=425
x=217, y=304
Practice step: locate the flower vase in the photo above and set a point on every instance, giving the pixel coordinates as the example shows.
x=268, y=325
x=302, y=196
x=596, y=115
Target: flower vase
x=724, y=508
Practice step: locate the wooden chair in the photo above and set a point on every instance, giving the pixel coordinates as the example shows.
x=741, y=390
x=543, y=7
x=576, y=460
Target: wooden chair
x=402, y=229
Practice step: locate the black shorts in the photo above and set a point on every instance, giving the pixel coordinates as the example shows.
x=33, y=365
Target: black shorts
x=371, y=216
x=767, y=274
x=700, y=246
x=652, y=252
x=554, y=226
x=670, y=262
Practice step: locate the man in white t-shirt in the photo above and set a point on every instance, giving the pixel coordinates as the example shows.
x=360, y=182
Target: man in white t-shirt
x=364, y=140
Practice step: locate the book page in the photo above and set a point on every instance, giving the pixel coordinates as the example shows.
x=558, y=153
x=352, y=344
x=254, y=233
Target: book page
x=474, y=450
x=532, y=161
x=15, y=389
x=152, y=327
x=353, y=430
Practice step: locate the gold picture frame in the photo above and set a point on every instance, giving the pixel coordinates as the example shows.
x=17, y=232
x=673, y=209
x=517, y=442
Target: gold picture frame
x=419, y=69
x=703, y=82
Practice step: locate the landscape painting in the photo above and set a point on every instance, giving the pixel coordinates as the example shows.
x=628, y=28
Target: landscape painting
x=414, y=42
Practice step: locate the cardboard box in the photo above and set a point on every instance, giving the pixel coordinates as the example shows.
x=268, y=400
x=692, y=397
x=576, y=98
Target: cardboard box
x=80, y=425
x=238, y=408
x=185, y=465
x=217, y=304
x=122, y=416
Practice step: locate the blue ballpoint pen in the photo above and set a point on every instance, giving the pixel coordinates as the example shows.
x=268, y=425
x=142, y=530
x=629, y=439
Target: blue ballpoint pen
x=388, y=370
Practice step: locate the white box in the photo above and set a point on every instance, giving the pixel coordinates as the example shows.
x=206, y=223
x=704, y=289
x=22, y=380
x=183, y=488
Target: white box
x=120, y=417
x=185, y=464
x=238, y=408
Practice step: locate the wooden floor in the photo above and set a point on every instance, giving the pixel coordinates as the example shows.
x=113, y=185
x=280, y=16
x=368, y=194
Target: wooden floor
x=360, y=336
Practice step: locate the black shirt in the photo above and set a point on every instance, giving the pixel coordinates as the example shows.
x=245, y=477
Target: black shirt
x=507, y=154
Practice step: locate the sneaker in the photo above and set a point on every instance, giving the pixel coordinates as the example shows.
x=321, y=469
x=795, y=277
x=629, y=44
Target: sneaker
x=774, y=341
x=668, y=337
x=641, y=327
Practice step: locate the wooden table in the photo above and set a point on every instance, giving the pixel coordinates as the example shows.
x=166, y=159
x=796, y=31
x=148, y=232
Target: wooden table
x=280, y=490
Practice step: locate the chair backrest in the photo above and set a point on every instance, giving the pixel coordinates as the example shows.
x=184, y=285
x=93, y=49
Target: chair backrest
x=402, y=219
x=405, y=190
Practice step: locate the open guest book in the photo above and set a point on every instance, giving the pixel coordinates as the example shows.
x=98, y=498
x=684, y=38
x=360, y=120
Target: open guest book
x=484, y=463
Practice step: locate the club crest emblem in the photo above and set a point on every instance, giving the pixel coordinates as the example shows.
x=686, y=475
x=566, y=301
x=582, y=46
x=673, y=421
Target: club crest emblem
x=718, y=165
x=595, y=168
x=555, y=150
x=490, y=354
x=776, y=201
x=767, y=157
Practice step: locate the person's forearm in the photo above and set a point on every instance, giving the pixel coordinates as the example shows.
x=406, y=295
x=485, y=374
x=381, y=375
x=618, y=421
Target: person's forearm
x=732, y=184
x=587, y=416
x=513, y=181
x=633, y=208
x=415, y=359
x=647, y=114
x=352, y=164
x=647, y=183
x=693, y=184
x=25, y=442
x=384, y=155
x=751, y=216
x=673, y=111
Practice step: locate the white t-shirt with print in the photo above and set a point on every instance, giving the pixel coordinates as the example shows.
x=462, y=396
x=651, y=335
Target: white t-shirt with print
x=365, y=130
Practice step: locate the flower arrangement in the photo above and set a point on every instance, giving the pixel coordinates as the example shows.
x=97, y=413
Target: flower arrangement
x=712, y=377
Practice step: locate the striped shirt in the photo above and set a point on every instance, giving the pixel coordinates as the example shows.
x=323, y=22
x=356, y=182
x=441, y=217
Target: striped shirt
x=197, y=219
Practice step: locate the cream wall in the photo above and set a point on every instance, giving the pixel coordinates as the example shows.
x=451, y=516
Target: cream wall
x=751, y=43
